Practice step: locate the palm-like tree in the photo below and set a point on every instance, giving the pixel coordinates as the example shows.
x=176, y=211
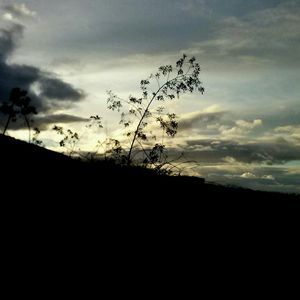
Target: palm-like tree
x=18, y=106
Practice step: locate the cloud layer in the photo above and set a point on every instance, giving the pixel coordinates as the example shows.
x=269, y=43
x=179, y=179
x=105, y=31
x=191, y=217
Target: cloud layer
x=48, y=92
x=255, y=153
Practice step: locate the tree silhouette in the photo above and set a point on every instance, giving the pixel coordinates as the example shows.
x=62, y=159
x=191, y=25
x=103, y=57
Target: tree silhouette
x=168, y=83
x=18, y=106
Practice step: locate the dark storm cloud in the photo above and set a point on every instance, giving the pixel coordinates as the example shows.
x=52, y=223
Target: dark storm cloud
x=8, y=40
x=44, y=122
x=55, y=88
x=51, y=93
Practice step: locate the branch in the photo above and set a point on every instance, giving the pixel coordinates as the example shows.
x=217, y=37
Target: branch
x=143, y=116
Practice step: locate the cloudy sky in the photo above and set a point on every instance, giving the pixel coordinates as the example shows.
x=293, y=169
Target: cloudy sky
x=245, y=129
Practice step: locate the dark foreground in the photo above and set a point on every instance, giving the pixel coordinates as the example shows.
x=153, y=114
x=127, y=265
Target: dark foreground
x=65, y=210
x=31, y=172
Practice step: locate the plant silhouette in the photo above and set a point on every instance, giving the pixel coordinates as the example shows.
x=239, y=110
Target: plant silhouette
x=35, y=138
x=18, y=106
x=168, y=83
x=69, y=139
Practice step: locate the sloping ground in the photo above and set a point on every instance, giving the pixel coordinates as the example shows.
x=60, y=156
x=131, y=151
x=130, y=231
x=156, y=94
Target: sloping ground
x=63, y=214
x=31, y=171
x=16, y=151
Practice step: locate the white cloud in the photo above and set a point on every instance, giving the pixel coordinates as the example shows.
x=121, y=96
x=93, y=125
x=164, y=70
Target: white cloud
x=241, y=127
x=8, y=17
x=14, y=12
x=202, y=119
x=248, y=175
x=268, y=177
x=289, y=129
x=290, y=133
x=229, y=159
x=212, y=109
x=249, y=125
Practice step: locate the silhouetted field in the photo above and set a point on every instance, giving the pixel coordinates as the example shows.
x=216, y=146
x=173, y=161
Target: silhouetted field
x=31, y=171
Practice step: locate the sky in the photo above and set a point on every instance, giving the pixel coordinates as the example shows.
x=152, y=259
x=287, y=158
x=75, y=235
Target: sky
x=244, y=130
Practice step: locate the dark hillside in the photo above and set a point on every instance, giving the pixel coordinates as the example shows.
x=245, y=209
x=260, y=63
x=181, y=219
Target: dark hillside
x=46, y=196
x=29, y=170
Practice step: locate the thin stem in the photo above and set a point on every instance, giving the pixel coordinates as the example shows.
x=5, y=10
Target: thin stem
x=29, y=128
x=147, y=109
x=140, y=123
x=6, y=125
x=11, y=108
x=158, y=84
x=143, y=149
x=143, y=116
